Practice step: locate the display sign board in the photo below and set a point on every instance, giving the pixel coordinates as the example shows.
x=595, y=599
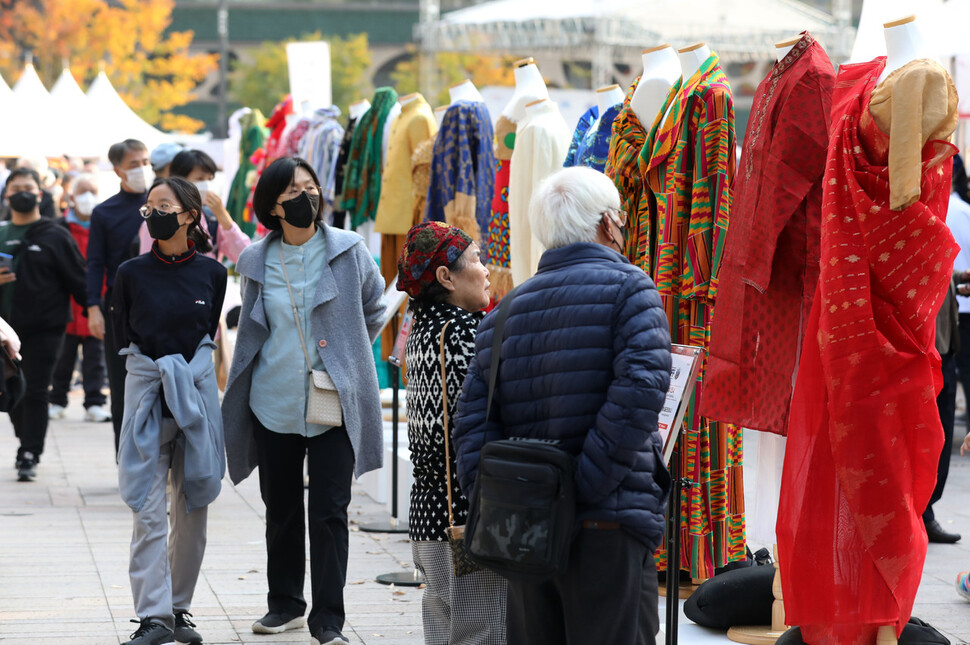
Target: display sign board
x=309, y=67
x=685, y=362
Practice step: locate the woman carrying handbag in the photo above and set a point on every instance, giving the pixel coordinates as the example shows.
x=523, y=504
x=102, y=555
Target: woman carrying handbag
x=440, y=269
x=303, y=388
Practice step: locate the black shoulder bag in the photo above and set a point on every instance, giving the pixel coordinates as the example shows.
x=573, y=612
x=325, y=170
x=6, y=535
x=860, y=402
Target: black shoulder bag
x=523, y=507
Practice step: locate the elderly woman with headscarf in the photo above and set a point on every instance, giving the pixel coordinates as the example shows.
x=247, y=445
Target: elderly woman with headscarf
x=441, y=270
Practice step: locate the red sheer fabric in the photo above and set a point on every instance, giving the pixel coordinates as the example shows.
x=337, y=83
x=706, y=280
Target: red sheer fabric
x=865, y=435
x=770, y=267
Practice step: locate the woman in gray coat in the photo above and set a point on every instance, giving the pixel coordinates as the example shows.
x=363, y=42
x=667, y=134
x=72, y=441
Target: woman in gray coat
x=325, y=279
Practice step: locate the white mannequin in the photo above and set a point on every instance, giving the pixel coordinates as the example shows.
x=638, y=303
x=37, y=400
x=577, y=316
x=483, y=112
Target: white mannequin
x=782, y=48
x=607, y=97
x=465, y=91
x=358, y=108
x=692, y=57
x=531, y=107
x=439, y=114
x=529, y=86
x=661, y=70
x=407, y=98
x=904, y=44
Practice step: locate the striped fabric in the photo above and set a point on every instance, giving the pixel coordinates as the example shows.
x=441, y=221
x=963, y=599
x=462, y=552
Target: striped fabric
x=687, y=165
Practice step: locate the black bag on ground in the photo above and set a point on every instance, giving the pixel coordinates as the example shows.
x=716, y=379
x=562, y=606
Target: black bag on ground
x=915, y=632
x=521, y=513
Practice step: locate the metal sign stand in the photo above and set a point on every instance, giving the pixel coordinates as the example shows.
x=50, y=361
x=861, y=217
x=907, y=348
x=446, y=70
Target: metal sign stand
x=685, y=365
x=395, y=299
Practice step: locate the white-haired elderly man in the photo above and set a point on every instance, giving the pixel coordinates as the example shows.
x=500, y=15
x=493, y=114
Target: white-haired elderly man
x=585, y=361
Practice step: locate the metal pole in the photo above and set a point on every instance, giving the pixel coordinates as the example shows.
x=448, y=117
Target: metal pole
x=673, y=553
x=222, y=19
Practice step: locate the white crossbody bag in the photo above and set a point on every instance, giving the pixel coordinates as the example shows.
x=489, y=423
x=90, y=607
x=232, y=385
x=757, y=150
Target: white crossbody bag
x=323, y=402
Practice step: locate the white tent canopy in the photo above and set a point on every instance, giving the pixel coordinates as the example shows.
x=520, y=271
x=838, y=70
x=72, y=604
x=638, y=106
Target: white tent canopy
x=115, y=117
x=28, y=124
x=65, y=121
x=85, y=139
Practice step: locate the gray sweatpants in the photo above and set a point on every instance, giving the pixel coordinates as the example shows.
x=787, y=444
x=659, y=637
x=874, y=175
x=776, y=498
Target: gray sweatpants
x=165, y=564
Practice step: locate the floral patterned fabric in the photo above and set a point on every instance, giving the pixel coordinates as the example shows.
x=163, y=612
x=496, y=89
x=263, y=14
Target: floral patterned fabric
x=590, y=146
x=463, y=169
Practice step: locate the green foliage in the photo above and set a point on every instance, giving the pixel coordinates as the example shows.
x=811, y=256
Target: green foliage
x=262, y=81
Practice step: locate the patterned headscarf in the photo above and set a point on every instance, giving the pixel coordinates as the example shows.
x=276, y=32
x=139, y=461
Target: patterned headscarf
x=428, y=246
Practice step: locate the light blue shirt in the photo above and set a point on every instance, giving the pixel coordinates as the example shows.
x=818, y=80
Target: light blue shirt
x=281, y=381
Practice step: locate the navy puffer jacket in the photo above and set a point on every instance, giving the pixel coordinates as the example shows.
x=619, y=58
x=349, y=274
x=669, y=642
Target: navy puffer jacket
x=585, y=360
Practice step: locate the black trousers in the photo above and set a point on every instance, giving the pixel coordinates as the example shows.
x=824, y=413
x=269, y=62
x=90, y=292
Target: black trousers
x=117, y=371
x=593, y=601
x=331, y=469
x=946, y=402
x=29, y=417
x=963, y=356
x=92, y=370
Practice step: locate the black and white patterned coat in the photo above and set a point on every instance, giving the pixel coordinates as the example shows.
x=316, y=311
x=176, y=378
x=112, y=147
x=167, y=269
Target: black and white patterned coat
x=429, y=499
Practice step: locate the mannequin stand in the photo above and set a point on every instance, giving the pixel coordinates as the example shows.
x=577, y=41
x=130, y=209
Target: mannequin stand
x=759, y=634
x=392, y=525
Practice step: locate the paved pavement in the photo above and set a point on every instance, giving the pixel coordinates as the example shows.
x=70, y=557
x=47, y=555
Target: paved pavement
x=64, y=556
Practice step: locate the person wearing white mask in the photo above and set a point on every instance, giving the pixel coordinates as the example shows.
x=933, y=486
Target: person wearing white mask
x=228, y=240
x=82, y=199
x=114, y=231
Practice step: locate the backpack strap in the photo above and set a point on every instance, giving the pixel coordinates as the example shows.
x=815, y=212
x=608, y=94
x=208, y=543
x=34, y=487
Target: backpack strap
x=498, y=336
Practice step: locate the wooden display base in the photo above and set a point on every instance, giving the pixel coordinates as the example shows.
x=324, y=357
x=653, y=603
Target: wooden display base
x=754, y=635
x=684, y=592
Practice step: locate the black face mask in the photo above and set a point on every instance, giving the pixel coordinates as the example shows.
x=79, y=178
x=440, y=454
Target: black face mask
x=163, y=226
x=301, y=211
x=23, y=201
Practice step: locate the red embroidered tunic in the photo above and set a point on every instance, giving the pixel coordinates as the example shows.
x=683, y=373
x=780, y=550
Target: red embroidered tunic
x=865, y=435
x=770, y=265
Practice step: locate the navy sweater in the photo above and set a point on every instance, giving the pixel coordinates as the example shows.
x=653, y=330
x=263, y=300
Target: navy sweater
x=586, y=361
x=113, y=239
x=166, y=305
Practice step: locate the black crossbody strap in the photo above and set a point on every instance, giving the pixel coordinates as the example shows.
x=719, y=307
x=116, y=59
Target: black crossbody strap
x=498, y=335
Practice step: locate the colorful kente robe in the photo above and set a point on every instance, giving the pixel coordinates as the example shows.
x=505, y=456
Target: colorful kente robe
x=770, y=267
x=688, y=169
x=497, y=243
x=865, y=436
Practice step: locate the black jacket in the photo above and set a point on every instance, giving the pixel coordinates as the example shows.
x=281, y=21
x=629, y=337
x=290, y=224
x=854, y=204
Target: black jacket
x=50, y=270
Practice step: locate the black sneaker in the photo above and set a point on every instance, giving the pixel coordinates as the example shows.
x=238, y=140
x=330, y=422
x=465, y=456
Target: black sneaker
x=150, y=633
x=274, y=623
x=185, y=633
x=328, y=636
x=27, y=467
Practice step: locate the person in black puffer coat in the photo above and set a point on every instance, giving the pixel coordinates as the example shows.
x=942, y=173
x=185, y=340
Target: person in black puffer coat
x=586, y=361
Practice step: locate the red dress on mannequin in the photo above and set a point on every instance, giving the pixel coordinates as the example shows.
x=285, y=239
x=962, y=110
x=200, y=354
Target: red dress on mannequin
x=865, y=435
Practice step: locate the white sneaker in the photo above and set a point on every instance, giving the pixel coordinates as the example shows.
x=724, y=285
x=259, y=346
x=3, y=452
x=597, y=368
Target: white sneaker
x=97, y=414
x=56, y=411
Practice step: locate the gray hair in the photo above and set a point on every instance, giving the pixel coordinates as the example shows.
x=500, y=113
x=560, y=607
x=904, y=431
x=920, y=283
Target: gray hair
x=84, y=176
x=568, y=206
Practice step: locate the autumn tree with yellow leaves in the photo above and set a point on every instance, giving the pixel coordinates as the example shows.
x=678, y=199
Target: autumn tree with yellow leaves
x=153, y=71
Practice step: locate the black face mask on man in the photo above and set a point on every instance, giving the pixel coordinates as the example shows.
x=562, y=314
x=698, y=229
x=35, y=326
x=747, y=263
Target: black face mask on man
x=162, y=225
x=301, y=211
x=23, y=201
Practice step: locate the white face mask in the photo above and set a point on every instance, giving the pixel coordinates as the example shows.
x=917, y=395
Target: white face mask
x=140, y=178
x=85, y=202
x=204, y=186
